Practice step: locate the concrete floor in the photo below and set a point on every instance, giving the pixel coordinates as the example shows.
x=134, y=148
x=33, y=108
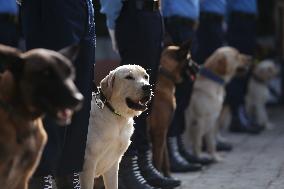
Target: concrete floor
x=257, y=162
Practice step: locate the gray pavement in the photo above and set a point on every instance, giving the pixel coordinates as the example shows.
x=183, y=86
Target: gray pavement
x=256, y=162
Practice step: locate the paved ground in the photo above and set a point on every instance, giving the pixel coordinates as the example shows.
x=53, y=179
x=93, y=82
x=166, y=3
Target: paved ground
x=257, y=162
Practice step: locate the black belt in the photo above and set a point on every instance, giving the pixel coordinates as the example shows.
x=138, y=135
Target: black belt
x=145, y=5
x=239, y=14
x=5, y=17
x=212, y=16
x=181, y=20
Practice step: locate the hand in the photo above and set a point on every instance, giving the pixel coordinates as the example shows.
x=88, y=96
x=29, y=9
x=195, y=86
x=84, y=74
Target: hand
x=113, y=40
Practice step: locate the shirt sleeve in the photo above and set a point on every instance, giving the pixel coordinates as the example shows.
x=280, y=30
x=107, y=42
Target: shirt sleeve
x=111, y=8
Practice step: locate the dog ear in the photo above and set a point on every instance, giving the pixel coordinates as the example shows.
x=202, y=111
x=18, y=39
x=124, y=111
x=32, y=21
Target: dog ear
x=246, y=59
x=10, y=59
x=71, y=52
x=107, y=85
x=221, y=66
x=183, y=50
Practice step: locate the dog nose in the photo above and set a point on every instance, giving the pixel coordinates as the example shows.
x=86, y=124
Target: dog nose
x=146, y=88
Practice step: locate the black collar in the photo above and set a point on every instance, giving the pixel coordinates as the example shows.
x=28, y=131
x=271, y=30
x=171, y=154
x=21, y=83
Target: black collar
x=101, y=100
x=167, y=74
x=212, y=76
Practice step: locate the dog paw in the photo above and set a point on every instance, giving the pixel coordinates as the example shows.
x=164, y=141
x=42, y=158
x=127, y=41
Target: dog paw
x=217, y=158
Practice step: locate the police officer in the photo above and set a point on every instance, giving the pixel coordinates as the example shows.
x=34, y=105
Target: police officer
x=135, y=28
x=241, y=35
x=54, y=24
x=9, y=34
x=181, y=17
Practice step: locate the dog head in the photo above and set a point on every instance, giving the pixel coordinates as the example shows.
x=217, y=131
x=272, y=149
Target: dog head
x=127, y=89
x=265, y=70
x=44, y=80
x=226, y=62
x=177, y=61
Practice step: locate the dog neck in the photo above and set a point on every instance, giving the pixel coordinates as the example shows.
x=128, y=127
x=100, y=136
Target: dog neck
x=99, y=95
x=11, y=100
x=258, y=79
x=167, y=74
x=212, y=76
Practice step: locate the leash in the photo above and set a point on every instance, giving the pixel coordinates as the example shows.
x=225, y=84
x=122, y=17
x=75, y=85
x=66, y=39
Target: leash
x=101, y=100
x=212, y=76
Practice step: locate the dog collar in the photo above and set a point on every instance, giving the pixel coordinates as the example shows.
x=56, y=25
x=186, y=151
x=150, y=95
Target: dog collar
x=257, y=79
x=167, y=74
x=101, y=101
x=212, y=76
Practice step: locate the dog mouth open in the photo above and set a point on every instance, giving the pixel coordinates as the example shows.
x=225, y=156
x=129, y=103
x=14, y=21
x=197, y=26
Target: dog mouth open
x=140, y=105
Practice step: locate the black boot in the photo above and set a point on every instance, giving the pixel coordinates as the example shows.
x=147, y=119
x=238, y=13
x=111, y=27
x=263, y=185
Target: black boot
x=190, y=157
x=241, y=123
x=152, y=175
x=129, y=175
x=44, y=182
x=178, y=163
x=68, y=181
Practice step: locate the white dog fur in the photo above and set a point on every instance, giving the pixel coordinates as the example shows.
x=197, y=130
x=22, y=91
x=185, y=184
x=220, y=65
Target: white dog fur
x=109, y=134
x=258, y=92
x=207, y=100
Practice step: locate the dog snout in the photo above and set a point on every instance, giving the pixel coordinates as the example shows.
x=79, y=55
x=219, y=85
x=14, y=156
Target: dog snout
x=146, y=88
x=77, y=100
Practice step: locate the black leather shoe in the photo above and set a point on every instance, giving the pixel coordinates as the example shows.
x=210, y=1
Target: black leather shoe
x=71, y=181
x=178, y=163
x=190, y=157
x=44, y=182
x=241, y=123
x=238, y=127
x=152, y=175
x=224, y=146
x=129, y=175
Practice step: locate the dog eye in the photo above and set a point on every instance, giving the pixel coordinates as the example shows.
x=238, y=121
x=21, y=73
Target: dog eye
x=129, y=77
x=146, y=76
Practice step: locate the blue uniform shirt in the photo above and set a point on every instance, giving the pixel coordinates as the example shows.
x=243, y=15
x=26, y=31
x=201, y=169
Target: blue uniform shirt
x=184, y=8
x=246, y=6
x=8, y=6
x=213, y=6
x=111, y=8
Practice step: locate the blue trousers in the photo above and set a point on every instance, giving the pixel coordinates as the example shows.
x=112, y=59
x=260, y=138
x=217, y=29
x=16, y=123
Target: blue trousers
x=180, y=32
x=139, y=37
x=210, y=36
x=54, y=24
x=242, y=36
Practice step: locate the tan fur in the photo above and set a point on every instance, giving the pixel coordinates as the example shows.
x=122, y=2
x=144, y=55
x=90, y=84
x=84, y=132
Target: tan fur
x=163, y=107
x=22, y=140
x=109, y=134
x=207, y=99
x=258, y=92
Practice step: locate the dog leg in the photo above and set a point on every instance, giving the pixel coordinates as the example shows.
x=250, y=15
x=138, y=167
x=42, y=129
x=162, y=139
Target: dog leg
x=158, y=147
x=87, y=176
x=166, y=163
x=111, y=177
x=210, y=139
x=195, y=133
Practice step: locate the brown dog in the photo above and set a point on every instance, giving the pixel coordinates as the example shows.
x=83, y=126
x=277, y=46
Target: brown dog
x=175, y=62
x=33, y=84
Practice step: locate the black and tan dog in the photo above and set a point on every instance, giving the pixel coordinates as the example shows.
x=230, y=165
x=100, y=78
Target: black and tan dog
x=174, y=64
x=33, y=84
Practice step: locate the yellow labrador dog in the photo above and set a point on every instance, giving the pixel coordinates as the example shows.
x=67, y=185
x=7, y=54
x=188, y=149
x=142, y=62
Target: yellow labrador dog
x=207, y=98
x=258, y=92
x=125, y=92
